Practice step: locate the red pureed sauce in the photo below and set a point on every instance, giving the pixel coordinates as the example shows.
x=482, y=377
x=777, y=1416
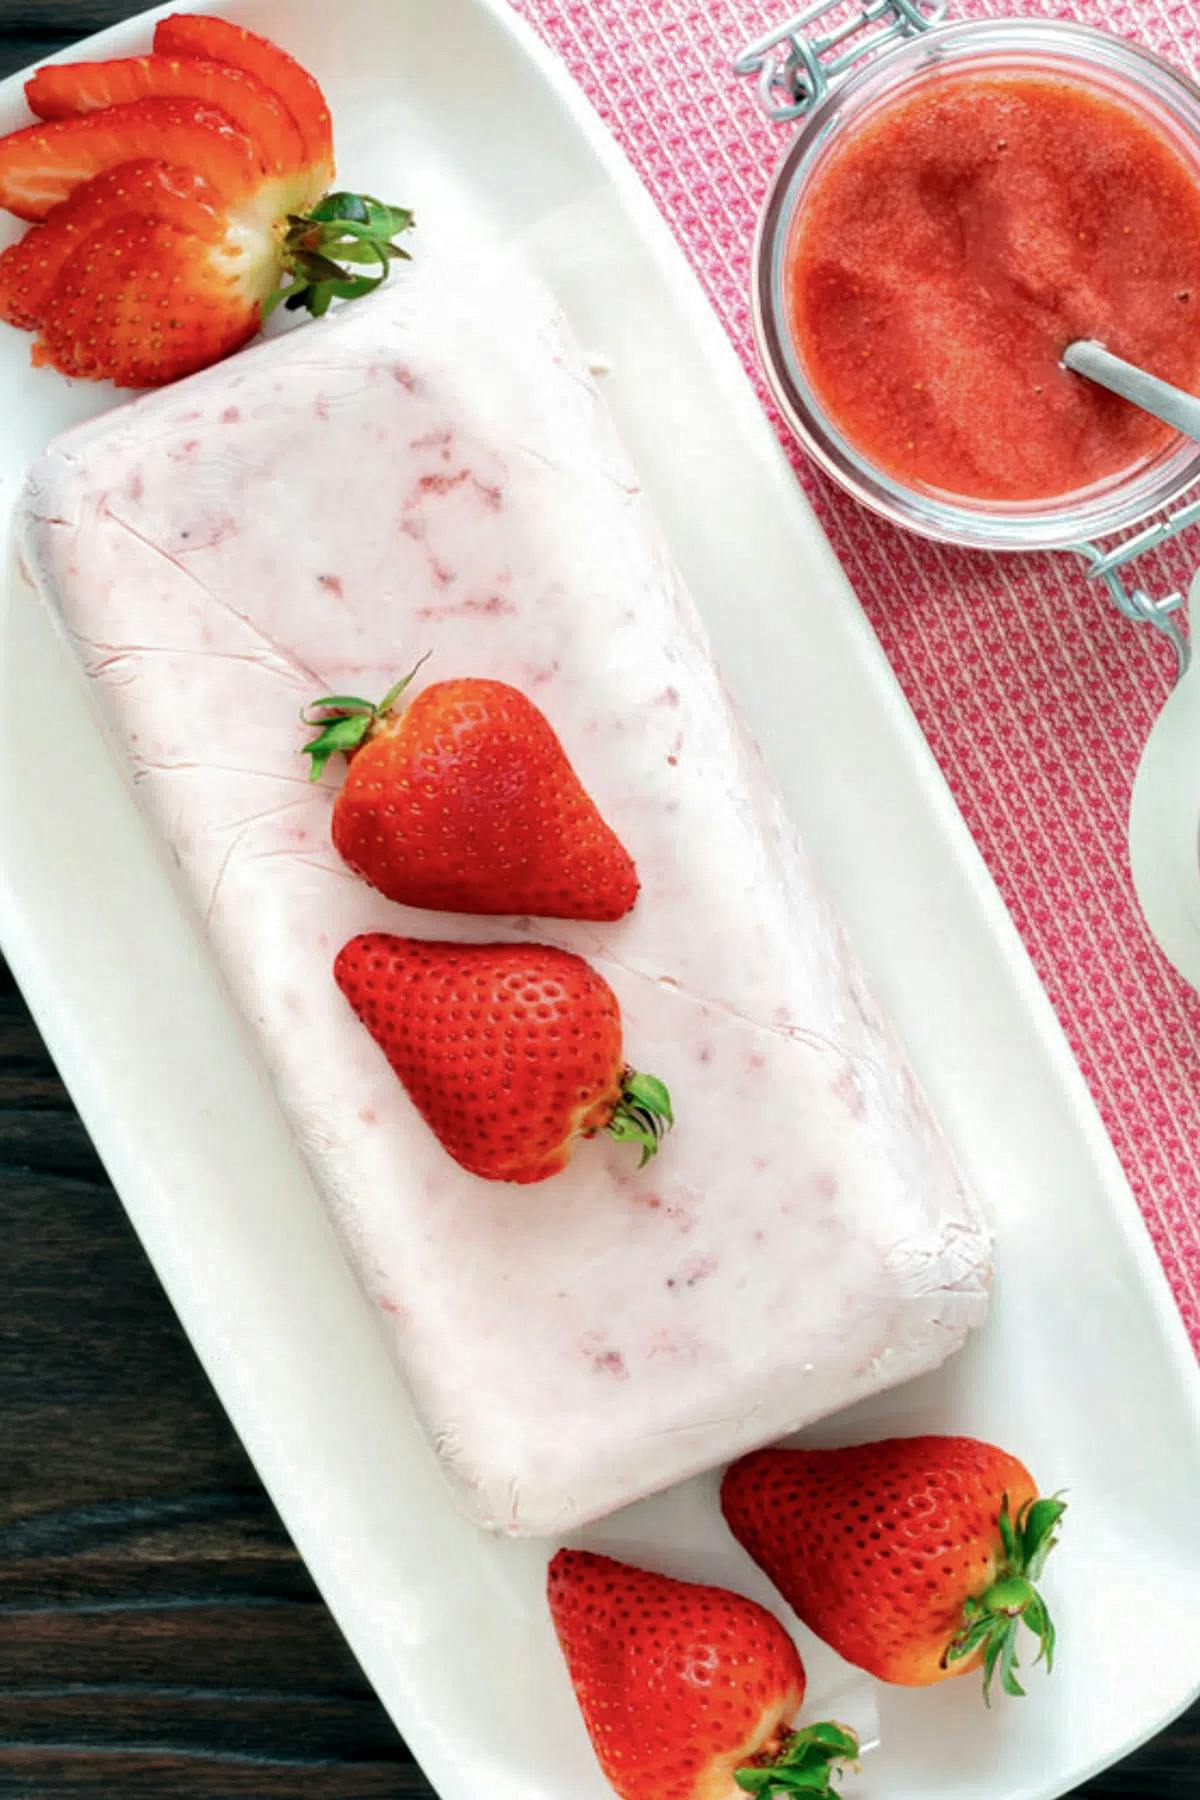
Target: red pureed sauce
x=945, y=254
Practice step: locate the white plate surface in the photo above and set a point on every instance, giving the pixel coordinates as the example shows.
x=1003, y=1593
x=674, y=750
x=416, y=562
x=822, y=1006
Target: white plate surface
x=1084, y=1371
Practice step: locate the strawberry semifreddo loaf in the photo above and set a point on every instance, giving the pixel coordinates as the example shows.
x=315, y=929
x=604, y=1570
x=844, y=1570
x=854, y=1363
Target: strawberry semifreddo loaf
x=432, y=470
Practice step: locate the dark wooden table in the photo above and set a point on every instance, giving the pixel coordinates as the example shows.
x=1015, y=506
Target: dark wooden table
x=159, y=1636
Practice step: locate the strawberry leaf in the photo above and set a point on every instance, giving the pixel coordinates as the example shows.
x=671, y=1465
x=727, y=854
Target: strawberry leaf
x=362, y=209
x=990, y=1658
x=388, y=221
x=341, y=206
x=316, y=267
x=1008, y=1534
x=368, y=253
x=1008, y=1663
x=1038, y=1526
x=969, y=1641
x=651, y=1094
x=339, y=703
x=339, y=734
x=397, y=688
x=991, y=1621
x=642, y=1115
x=345, y=721
x=322, y=248
x=807, y=1764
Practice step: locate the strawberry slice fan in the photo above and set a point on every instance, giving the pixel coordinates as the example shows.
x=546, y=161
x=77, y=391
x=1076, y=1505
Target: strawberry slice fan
x=174, y=201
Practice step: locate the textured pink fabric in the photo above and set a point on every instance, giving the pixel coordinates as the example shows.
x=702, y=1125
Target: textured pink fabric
x=1035, y=695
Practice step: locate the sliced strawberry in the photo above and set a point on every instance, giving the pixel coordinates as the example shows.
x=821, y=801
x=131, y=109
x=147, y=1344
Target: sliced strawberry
x=181, y=197
x=144, y=299
x=42, y=164
x=147, y=189
x=142, y=302
x=196, y=34
x=61, y=90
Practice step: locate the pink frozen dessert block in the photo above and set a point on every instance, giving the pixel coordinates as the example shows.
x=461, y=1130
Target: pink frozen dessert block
x=433, y=470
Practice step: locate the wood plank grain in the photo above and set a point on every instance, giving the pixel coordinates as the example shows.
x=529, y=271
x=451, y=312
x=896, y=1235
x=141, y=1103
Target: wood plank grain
x=159, y=1636
x=77, y=1772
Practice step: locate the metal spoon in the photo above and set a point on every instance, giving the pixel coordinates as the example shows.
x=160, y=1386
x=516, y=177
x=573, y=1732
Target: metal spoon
x=1170, y=404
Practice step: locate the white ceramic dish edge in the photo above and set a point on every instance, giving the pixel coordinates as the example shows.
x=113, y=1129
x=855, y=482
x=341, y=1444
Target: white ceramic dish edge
x=257, y=1331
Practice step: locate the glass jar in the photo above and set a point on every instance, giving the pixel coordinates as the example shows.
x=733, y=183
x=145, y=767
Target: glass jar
x=1108, y=65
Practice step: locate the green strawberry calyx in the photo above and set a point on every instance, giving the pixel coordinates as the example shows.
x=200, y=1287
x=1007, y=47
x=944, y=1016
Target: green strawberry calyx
x=808, y=1763
x=992, y=1621
x=642, y=1115
x=340, y=250
x=345, y=721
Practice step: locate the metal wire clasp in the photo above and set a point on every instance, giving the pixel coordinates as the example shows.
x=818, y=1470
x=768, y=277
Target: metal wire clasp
x=795, y=70
x=1105, y=565
x=796, y=65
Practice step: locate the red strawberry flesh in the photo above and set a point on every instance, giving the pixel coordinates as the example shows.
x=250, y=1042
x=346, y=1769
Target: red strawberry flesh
x=62, y=90
x=42, y=164
x=143, y=190
x=197, y=34
x=112, y=292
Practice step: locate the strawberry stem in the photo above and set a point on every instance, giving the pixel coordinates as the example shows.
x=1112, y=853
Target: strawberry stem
x=992, y=1621
x=345, y=721
x=322, y=250
x=808, y=1764
x=642, y=1115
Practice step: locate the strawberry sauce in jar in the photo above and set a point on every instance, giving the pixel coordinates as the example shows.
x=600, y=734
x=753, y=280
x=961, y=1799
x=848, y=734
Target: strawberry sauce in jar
x=948, y=253
x=948, y=220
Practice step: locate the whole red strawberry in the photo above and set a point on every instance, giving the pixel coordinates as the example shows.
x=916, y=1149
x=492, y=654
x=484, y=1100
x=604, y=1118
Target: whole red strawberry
x=915, y=1558
x=686, y=1691
x=175, y=200
x=465, y=802
x=508, y=1051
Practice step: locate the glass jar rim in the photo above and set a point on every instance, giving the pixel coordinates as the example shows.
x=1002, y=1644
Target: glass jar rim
x=1083, y=516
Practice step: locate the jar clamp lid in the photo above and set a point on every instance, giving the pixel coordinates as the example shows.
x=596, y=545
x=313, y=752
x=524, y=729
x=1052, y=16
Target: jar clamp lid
x=799, y=69
x=796, y=71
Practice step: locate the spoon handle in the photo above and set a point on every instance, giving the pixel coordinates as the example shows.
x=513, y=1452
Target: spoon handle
x=1171, y=404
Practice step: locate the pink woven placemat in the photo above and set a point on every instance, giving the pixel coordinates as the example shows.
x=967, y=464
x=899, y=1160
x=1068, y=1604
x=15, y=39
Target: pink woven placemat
x=1035, y=696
